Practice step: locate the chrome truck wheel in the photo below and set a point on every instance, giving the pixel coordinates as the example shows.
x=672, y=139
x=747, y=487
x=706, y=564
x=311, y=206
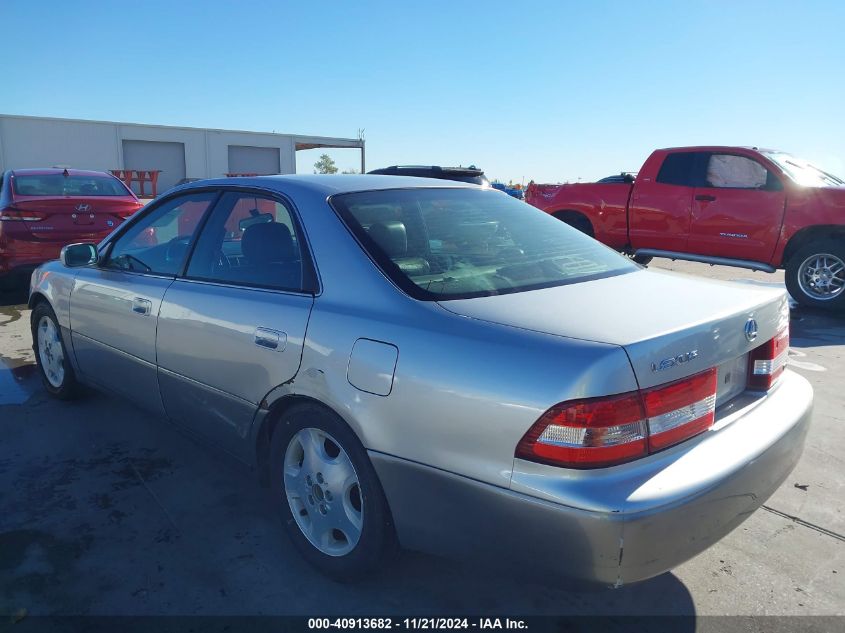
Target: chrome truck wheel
x=822, y=276
x=815, y=275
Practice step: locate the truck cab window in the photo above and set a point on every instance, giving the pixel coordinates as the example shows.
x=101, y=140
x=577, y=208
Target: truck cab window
x=735, y=172
x=678, y=169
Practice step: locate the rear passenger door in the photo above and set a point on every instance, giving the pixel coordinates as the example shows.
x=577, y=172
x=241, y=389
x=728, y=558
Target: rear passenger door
x=233, y=327
x=737, y=209
x=660, y=208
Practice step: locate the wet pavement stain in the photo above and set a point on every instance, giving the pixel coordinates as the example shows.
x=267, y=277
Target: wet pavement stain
x=37, y=562
x=13, y=312
x=18, y=383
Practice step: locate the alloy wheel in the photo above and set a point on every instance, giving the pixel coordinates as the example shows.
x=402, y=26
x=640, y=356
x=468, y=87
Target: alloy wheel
x=822, y=276
x=50, y=352
x=323, y=492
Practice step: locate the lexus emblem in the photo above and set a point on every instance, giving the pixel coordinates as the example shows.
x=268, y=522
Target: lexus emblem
x=83, y=208
x=751, y=330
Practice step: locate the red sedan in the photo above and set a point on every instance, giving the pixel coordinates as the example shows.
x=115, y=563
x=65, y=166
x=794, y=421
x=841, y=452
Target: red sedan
x=42, y=210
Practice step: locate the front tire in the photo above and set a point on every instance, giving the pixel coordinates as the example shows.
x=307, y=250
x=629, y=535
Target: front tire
x=328, y=494
x=815, y=275
x=51, y=355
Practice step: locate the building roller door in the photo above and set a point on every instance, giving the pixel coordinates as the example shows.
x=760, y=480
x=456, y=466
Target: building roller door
x=165, y=156
x=254, y=160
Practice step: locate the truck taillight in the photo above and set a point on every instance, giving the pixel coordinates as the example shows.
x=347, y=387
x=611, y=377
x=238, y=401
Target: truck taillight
x=599, y=432
x=767, y=362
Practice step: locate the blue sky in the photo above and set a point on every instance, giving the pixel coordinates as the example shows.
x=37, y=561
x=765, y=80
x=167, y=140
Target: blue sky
x=549, y=91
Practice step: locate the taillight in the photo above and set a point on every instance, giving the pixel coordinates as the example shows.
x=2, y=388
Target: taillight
x=588, y=433
x=125, y=215
x=11, y=214
x=767, y=362
x=681, y=409
x=600, y=432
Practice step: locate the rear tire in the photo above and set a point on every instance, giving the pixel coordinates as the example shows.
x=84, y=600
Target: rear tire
x=642, y=260
x=51, y=354
x=328, y=494
x=815, y=275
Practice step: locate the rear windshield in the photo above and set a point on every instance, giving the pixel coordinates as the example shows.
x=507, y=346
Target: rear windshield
x=61, y=185
x=439, y=244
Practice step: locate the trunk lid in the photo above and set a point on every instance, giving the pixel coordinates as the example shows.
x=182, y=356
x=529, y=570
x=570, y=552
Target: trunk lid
x=75, y=218
x=671, y=325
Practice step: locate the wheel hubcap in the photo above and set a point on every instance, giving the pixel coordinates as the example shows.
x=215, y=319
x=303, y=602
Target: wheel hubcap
x=323, y=492
x=50, y=352
x=822, y=276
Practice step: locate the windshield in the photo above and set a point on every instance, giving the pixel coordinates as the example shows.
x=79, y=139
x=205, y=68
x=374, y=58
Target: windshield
x=803, y=172
x=61, y=185
x=459, y=243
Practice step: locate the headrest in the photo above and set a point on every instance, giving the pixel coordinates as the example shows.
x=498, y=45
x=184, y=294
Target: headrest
x=267, y=242
x=391, y=237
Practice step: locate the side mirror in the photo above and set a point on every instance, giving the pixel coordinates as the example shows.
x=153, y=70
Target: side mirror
x=75, y=255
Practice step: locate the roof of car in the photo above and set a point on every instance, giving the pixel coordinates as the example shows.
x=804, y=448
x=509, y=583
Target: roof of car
x=330, y=184
x=716, y=148
x=47, y=171
x=396, y=169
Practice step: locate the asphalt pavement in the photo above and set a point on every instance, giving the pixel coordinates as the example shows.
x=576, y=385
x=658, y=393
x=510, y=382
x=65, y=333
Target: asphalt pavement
x=106, y=510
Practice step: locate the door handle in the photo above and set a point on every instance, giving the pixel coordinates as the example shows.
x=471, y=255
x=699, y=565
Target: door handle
x=705, y=198
x=271, y=339
x=141, y=305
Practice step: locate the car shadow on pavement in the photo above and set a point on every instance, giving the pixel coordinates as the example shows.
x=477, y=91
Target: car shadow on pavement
x=14, y=296
x=811, y=327
x=111, y=511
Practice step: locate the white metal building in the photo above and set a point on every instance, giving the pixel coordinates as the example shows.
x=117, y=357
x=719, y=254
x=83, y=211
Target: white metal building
x=179, y=152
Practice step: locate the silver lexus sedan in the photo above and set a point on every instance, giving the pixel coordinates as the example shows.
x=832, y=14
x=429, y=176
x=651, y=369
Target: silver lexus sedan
x=437, y=365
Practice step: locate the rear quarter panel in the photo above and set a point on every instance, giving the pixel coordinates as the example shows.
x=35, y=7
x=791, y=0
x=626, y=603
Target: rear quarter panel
x=808, y=207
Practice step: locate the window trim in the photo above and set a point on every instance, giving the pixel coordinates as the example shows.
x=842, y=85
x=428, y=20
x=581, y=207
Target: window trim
x=308, y=268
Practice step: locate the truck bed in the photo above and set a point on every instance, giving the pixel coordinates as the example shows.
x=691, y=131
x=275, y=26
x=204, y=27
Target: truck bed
x=604, y=205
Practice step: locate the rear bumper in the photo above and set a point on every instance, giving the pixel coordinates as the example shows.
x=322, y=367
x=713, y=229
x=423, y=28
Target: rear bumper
x=24, y=256
x=615, y=525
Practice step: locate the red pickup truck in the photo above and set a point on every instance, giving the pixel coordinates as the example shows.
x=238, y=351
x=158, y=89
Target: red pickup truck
x=737, y=206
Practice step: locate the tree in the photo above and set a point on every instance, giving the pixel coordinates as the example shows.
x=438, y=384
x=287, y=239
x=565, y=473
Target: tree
x=350, y=171
x=325, y=165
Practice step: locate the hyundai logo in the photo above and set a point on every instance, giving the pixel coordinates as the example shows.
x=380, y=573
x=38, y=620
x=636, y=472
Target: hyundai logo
x=751, y=330
x=83, y=208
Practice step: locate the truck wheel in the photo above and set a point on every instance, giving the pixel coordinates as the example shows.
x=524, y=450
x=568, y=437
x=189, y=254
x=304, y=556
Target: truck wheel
x=815, y=275
x=642, y=260
x=577, y=222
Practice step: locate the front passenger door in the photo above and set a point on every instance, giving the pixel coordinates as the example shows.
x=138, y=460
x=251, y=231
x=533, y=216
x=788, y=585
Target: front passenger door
x=233, y=328
x=114, y=306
